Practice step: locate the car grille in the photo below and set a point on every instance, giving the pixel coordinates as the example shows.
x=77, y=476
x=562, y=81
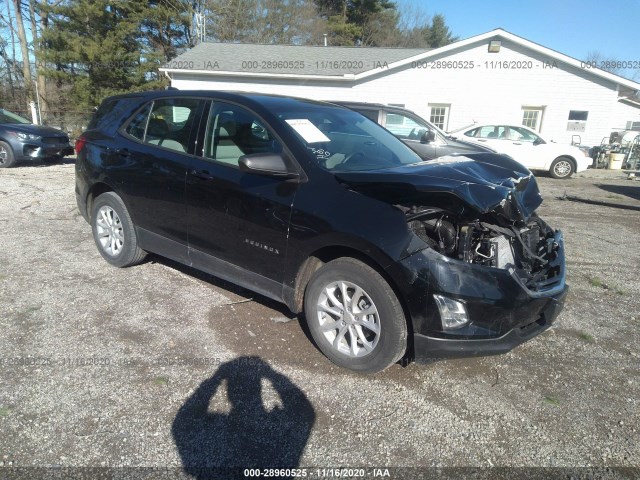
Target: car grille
x=55, y=140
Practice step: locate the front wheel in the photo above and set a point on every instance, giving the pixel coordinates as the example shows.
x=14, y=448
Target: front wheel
x=562, y=167
x=355, y=317
x=114, y=232
x=6, y=155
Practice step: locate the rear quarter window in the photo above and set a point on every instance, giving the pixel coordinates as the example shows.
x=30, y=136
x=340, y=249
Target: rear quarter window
x=110, y=111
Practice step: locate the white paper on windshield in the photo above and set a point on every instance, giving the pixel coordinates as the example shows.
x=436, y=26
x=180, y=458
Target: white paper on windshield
x=308, y=130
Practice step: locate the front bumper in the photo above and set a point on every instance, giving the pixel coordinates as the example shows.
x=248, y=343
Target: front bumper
x=503, y=312
x=29, y=150
x=428, y=349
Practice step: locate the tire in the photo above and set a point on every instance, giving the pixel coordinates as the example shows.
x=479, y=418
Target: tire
x=381, y=339
x=7, y=159
x=114, y=232
x=562, y=167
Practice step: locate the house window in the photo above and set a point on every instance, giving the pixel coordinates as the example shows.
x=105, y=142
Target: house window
x=532, y=117
x=439, y=115
x=577, y=120
x=578, y=115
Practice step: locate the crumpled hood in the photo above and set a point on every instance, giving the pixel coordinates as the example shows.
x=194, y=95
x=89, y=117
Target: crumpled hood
x=485, y=182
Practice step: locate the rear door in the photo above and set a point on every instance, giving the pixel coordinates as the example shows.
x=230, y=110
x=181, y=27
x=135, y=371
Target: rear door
x=153, y=154
x=238, y=219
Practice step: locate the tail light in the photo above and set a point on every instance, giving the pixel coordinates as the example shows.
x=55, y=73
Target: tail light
x=79, y=144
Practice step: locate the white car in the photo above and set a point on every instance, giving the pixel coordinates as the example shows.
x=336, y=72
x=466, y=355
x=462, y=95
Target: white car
x=530, y=149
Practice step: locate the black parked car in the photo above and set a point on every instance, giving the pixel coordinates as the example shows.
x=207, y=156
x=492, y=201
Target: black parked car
x=421, y=136
x=316, y=206
x=22, y=140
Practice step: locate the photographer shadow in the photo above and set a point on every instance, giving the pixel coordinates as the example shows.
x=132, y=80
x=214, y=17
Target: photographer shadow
x=247, y=435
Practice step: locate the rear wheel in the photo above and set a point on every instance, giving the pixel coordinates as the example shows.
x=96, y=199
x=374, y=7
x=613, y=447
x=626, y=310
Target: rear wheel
x=355, y=317
x=114, y=232
x=6, y=155
x=562, y=167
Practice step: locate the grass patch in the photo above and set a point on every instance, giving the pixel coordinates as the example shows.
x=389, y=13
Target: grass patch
x=552, y=400
x=595, y=282
x=4, y=411
x=586, y=337
x=162, y=381
x=619, y=292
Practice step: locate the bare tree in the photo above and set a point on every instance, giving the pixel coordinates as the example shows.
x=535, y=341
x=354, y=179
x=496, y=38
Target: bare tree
x=40, y=78
x=24, y=49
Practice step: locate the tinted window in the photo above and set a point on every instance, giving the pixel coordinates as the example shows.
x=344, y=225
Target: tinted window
x=170, y=123
x=138, y=123
x=370, y=114
x=8, y=117
x=110, y=110
x=233, y=132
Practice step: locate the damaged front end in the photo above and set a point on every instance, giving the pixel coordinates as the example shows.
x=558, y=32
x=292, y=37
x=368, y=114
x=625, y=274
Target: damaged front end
x=483, y=272
x=528, y=248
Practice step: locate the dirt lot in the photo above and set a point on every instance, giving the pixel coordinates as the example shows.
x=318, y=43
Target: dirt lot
x=142, y=366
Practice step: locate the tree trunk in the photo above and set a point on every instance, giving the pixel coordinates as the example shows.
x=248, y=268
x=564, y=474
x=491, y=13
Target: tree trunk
x=24, y=48
x=40, y=78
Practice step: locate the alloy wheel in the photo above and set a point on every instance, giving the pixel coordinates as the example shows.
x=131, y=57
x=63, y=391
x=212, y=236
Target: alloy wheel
x=348, y=319
x=109, y=231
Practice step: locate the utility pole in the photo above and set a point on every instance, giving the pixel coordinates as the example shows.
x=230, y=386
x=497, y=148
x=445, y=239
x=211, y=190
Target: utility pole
x=201, y=29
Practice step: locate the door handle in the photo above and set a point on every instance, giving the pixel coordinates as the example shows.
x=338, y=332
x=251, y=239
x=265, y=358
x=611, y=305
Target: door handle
x=517, y=143
x=123, y=152
x=480, y=140
x=202, y=174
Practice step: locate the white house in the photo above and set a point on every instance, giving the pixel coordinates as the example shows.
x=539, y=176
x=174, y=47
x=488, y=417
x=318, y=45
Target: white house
x=496, y=77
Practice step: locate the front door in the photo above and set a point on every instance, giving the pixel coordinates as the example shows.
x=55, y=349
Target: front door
x=237, y=219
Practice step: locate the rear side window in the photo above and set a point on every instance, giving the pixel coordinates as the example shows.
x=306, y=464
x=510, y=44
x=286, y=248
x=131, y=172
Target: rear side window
x=110, y=110
x=165, y=122
x=170, y=123
x=138, y=124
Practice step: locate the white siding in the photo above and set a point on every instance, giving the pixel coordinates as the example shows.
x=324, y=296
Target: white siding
x=481, y=94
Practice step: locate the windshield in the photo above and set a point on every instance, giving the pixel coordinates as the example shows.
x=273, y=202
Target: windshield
x=343, y=140
x=8, y=117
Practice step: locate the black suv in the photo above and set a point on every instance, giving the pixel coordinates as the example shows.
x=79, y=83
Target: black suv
x=312, y=204
x=421, y=136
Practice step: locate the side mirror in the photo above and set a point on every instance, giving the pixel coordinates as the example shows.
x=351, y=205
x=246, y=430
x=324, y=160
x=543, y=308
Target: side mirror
x=268, y=164
x=428, y=137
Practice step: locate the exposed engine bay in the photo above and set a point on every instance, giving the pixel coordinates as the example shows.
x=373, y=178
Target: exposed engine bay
x=528, y=247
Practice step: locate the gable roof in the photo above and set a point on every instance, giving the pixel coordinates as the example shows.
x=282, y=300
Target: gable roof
x=288, y=59
x=339, y=63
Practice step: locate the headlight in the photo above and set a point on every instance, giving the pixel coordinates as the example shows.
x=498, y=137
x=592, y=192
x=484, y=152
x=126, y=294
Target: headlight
x=26, y=136
x=452, y=312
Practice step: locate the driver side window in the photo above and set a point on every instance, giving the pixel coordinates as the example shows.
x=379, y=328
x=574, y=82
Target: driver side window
x=233, y=132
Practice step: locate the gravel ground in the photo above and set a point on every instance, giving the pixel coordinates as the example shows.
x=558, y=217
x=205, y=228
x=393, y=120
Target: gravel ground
x=161, y=366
